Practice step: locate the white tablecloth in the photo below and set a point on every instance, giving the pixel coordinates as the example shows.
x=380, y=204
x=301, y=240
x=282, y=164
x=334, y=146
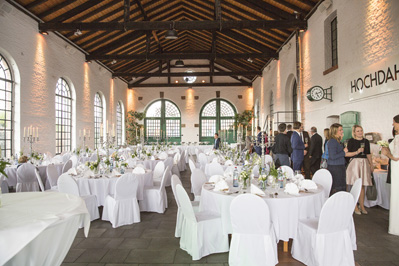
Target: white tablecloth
x=383, y=190
x=207, y=167
x=12, y=174
x=38, y=228
x=103, y=186
x=285, y=211
x=149, y=164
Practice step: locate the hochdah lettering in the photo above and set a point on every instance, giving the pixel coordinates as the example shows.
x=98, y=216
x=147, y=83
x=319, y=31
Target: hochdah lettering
x=374, y=79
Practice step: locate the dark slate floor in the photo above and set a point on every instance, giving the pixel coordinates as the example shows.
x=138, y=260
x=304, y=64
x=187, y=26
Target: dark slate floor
x=152, y=242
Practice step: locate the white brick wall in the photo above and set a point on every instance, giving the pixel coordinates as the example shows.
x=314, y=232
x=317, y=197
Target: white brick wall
x=41, y=61
x=367, y=34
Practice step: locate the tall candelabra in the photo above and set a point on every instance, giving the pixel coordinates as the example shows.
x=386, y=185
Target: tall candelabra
x=107, y=142
x=31, y=137
x=263, y=145
x=84, y=137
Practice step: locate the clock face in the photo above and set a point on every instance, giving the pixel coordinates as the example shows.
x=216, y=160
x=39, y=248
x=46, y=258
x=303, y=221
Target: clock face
x=316, y=93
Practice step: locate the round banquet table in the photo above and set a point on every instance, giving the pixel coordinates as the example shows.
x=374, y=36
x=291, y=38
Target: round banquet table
x=149, y=164
x=207, y=168
x=104, y=186
x=38, y=228
x=285, y=210
x=11, y=172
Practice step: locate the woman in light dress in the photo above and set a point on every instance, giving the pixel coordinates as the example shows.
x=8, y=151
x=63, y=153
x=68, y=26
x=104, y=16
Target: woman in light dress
x=393, y=153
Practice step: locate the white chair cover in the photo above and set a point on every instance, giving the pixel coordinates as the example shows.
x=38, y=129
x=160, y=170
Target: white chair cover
x=131, y=162
x=229, y=163
x=175, y=167
x=93, y=157
x=250, y=220
x=138, y=170
x=268, y=159
x=4, y=187
x=323, y=177
x=215, y=169
x=202, y=160
x=56, y=159
x=168, y=162
x=74, y=159
x=288, y=170
x=191, y=164
x=39, y=180
x=179, y=216
x=67, y=166
x=26, y=178
x=66, y=184
x=163, y=155
x=198, y=178
x=176, y=159
x=158, y=171
x=52, y=175
x=65, y=157
x=155, y=198
x=326, y=241
x=355, y=191
x=202, y=232
x=182, y=162
x=215, y=160
x=123, y=208
x=255, y=171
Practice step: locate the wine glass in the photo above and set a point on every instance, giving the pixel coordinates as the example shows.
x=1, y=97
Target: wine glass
x=362, y=146
x=306, y=140
x=346, y=143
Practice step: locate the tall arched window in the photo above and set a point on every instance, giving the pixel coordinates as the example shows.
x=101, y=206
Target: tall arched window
x=6, y=108
x=162, y=119
x=98, y=119
x=294, y=102
x=217, y=115
x=119, y=123
x=63, y=117
x=271, y=110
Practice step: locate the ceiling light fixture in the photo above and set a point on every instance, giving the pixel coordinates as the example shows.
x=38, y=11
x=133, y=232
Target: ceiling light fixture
x=250, y=60
x=171, y=34
x=77, y=32
x=176, y=81
x=113, y=62
x=179, y=63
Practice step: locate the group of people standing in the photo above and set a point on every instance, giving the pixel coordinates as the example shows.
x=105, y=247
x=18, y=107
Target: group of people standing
x=346, y=161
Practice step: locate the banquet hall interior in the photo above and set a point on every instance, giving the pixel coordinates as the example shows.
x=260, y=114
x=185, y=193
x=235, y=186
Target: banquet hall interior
x=143, y=132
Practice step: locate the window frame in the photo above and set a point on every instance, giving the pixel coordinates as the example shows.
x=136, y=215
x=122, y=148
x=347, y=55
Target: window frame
x=98, y=109
x=7, y=150
x=63, y=130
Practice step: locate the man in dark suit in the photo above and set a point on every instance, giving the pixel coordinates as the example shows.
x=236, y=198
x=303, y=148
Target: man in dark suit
x=289, y=131
x=306, y=160
x=217, y=142
x=298, y=147
x=258, y=148
x=315, y=150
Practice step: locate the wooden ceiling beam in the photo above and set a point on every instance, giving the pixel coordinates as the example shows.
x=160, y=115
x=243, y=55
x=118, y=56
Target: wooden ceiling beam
x=178, y=25
x=183, y=74
x=188, y=55
x=35, y=3
x=292, y=6
x=56, y=8
x=190, y=85
x=74, y=11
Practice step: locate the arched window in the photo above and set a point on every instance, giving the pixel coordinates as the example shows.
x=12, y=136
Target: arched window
x=63, y=117
x=294, y=102
x=6, y=108
x=271, y=110
x=98, y=119
x=217, y=115
x=162, y=120
x=119, y=123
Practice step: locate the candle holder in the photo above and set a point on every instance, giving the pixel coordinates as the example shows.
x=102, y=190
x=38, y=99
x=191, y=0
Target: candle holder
x=31, y=139
x=83, y=139
x=107, y=142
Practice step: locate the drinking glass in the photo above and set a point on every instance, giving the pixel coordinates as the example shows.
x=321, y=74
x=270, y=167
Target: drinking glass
x=345, y=143
x=306, y=140
x=362, y=146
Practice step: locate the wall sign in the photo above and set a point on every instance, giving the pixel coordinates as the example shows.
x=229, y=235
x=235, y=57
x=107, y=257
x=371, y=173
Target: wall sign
x=379, y=78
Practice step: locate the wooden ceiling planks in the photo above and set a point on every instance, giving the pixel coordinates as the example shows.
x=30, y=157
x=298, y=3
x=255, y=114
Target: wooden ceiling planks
x=132, y=42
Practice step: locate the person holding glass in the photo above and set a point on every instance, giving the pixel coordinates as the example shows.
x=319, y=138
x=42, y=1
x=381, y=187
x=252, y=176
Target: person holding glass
x=336, y=158
x=360, y=164
x=393, y=153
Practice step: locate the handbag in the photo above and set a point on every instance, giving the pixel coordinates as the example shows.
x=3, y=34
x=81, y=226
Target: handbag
x=371, y=192
x=324, y=158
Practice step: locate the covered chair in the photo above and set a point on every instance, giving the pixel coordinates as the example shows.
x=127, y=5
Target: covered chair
x=323, y=177
x=26, y=178
x=198, y=178
x=123, y=208
x=52, y=176
x=74, y=159
x=268, y=159
x=202, y=232
x=155, y=198
x=67, y=166
x=355, y=191
x=215, y=169
x=176, y=165
x=250, y=220
x=202, y=160
x=66, y=184
x=326, y=241
x=158, y=171
x=288, y=170
x=192, y=165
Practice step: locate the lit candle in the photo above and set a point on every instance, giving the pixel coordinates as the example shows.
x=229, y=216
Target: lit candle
x=37, y=132
x=113, y=129
x=31, y=131
x=84, y=132
x=24, y=131
x=80, y=133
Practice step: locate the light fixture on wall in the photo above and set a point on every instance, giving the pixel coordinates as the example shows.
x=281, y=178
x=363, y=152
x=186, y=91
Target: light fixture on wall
x=78, y=32
x=43, y=32
x=179, y=63
x=171, y=34
x=88, y=61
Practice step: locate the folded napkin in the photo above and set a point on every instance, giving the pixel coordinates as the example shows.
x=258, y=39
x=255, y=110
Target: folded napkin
x=138, y=170
x=307, y=184
x=228, y=162
x=80, y=168
x=221, y=185
x=88, y=174
x=140, y=166
x=215, y=179
x=72, y=171
x=292, y=189
x=152, y=158
x=215, y=160
x=115, y=173
x=257, y=191
x=228, y=173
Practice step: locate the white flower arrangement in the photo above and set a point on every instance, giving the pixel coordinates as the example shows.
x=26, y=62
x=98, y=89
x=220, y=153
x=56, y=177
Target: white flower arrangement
x=383, y=143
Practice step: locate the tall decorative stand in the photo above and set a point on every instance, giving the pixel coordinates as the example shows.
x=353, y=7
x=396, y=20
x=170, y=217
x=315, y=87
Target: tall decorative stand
x=107, y=142
x=31, y=139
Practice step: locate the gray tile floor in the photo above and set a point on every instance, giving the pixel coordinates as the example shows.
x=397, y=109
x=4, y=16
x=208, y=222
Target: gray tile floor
x=152, y=242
